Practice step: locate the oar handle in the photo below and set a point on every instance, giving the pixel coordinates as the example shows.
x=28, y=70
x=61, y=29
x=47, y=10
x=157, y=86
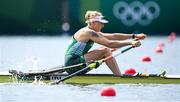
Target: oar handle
x=114, y=49
x=127, y=49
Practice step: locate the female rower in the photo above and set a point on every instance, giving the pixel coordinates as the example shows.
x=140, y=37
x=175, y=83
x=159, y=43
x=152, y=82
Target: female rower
x=83, y=40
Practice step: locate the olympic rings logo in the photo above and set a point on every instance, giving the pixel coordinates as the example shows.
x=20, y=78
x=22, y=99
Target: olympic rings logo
x=136, y=12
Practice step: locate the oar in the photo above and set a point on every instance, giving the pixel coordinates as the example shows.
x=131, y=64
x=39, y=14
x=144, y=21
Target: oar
x=59, y=69
x=54, y=70
x=91, y=66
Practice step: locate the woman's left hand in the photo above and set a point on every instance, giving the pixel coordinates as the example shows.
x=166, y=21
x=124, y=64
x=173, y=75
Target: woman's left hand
x=140, y=36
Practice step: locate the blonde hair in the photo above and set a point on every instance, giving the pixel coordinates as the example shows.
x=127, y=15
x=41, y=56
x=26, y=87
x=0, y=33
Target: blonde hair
x=91, y=14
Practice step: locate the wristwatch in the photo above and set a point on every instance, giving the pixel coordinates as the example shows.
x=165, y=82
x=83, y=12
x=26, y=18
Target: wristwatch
x=133, y=36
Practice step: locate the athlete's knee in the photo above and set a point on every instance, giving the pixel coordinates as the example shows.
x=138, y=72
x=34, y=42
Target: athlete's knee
x=107, y=51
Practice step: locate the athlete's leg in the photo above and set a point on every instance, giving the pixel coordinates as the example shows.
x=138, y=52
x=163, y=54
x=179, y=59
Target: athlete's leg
x=101, y=53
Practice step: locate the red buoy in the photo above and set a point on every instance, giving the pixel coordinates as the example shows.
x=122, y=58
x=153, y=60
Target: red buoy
x=146, y=59
x=108, y=91
x=173, y=34
x=172, y=37
x=159, y=50
x=161, y=44
x=130, y=71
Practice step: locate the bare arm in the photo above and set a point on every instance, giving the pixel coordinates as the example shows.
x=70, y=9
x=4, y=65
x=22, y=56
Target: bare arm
x=117, y=36
x=98, y=38
x=122, y=36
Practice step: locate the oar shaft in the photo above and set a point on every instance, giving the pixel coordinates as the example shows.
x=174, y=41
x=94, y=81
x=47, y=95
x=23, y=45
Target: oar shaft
x=71, y=75
x=117, y=54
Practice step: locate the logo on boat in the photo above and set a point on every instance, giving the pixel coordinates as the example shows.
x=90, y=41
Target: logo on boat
x=136, y=12
x=55, y=77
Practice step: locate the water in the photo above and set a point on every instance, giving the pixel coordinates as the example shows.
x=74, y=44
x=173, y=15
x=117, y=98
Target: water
x=27, y=53
x=90, y=93
x=32, y=53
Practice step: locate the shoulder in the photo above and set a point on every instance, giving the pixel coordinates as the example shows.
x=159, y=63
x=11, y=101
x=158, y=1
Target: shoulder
x=93, y=33
x=88, y=32
x=83, y=35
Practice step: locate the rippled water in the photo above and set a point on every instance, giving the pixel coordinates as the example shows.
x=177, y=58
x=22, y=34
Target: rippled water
x=90, y=93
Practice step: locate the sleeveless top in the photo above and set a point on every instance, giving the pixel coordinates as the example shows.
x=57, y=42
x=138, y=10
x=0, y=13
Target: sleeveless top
x=75, y=54
x=78, y=48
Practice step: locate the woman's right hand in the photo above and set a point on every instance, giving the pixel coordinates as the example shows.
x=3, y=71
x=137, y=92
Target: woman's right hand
x=140, y=36
x=136, y=43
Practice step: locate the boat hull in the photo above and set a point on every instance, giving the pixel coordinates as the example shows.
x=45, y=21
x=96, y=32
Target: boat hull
x=101, y=79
